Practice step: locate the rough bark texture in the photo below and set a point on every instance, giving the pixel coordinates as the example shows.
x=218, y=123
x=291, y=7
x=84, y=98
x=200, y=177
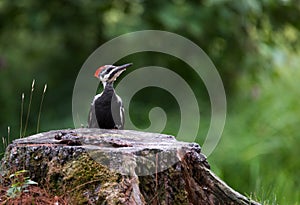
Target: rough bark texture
x=94, y=166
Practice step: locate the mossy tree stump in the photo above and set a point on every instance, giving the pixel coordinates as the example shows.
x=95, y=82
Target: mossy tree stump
x=94, y=166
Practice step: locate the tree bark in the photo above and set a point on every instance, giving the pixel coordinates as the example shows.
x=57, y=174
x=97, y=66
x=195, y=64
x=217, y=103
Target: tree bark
x=98, y=166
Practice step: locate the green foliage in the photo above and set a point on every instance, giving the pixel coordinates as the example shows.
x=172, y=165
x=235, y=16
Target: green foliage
x=51, y=43
x=262, y=136
x=19, y=184
x=253, y=44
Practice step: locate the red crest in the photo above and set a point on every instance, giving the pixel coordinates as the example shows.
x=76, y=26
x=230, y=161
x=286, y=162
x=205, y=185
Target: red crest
x=98, y=71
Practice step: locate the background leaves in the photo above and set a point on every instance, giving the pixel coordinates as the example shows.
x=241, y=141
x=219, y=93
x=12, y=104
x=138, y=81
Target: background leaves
x=254, y=45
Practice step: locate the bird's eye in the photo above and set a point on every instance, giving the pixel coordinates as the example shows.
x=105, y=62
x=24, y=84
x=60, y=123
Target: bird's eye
x=109, y=69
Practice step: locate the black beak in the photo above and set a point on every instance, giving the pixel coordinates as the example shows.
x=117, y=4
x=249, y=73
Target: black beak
x=123, y=67
x=117, y=71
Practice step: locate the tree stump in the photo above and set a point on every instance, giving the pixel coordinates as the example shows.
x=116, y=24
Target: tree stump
x=96, y=166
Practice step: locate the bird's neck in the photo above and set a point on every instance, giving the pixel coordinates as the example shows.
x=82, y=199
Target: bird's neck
x=107, y=85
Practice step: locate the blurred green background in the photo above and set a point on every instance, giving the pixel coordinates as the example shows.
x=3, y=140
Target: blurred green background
x=253, y=43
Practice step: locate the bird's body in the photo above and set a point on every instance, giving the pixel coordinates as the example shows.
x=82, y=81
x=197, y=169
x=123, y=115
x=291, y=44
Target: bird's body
x=107, y=109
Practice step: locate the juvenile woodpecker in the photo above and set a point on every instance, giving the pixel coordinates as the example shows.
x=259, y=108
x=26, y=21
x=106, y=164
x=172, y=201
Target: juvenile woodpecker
x=107, y=111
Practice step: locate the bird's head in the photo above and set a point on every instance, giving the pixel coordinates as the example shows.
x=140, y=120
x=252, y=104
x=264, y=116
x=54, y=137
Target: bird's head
x=109, y=73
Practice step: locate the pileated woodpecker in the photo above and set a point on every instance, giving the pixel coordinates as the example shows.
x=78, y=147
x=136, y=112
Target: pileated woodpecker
x=107, y=109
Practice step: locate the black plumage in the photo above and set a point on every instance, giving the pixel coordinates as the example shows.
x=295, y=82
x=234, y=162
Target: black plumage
x=107, y=109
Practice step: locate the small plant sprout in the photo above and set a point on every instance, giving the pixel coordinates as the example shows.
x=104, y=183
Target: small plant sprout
x=4, y=142
x=19, y=184
x=29, y=107
x=8, y=134
x=40, y=110
x=21, y=115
